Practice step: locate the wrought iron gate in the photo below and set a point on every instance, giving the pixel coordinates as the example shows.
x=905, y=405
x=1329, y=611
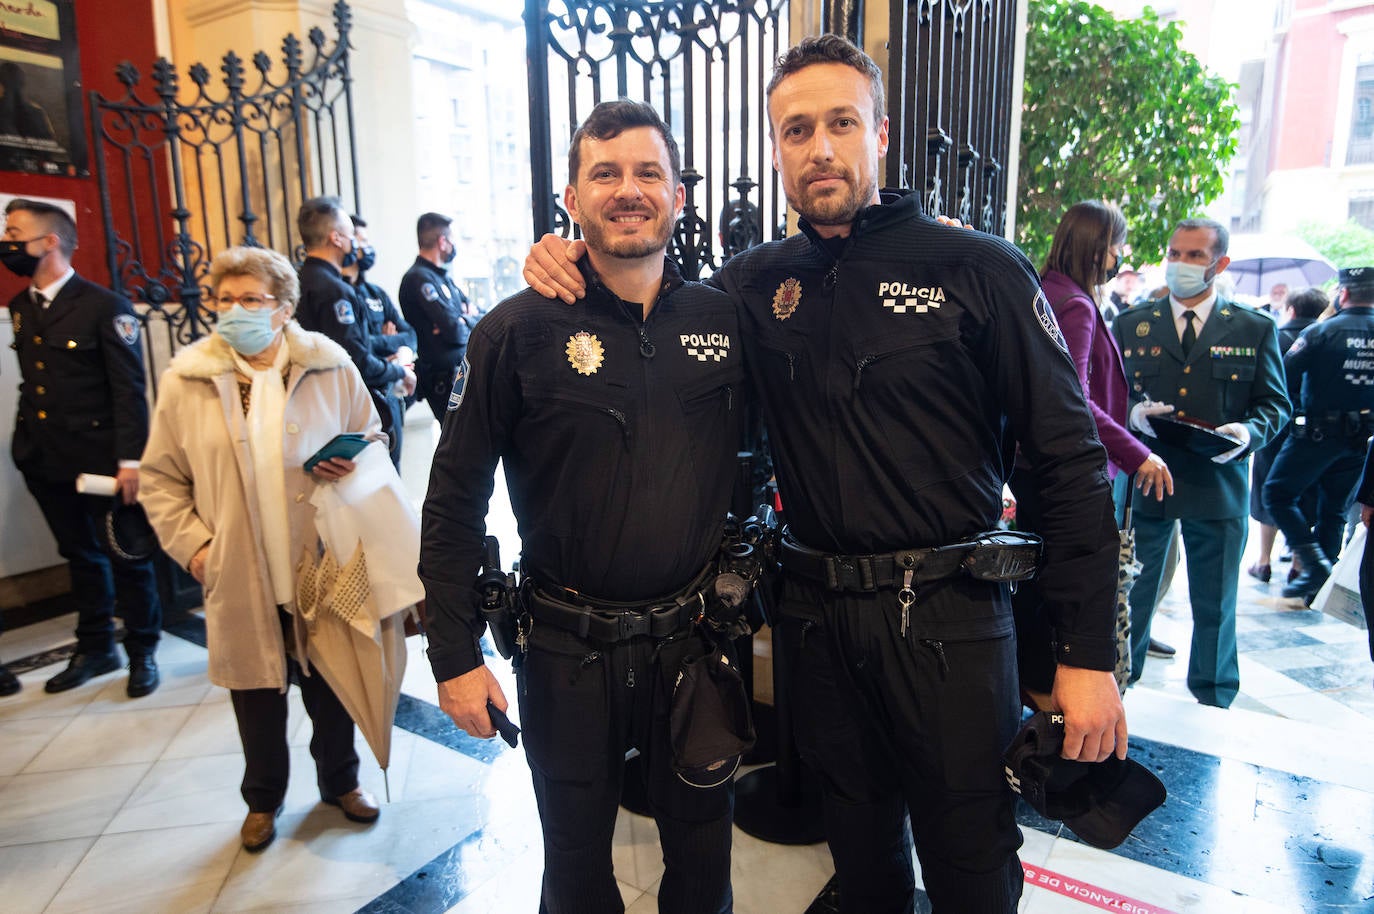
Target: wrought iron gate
x=704, y=66
x=950, y=94
x=181, y=179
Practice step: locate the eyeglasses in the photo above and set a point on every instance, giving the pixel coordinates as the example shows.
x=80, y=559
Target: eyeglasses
x=252, y=302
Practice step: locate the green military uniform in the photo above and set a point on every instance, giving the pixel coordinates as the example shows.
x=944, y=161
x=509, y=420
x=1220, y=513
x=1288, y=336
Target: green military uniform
x=1233, y=373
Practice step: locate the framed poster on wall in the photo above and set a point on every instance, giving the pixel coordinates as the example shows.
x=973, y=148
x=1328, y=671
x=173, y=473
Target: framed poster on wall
x=41, y=125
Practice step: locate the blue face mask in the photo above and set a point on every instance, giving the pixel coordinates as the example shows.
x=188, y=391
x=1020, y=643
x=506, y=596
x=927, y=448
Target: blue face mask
x=1186, y=280
x=249, y=332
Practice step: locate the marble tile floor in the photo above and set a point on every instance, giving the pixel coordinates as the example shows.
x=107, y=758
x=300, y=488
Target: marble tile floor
x=113, y=805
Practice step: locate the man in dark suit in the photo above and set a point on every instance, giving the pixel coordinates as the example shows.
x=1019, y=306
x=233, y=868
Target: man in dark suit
x=82, y=409
x=1205, y=358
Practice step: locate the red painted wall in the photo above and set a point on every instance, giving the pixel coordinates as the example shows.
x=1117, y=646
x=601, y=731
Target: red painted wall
x=1312, y=61
x=107, y=34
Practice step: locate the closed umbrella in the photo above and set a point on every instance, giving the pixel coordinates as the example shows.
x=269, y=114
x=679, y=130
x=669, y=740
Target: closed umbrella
x=1261, y=261
x=361, y=654
x=1128, y=569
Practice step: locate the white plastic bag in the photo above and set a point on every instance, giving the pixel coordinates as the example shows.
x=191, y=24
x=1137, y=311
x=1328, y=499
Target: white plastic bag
x=369, y=506
x=1340, y=595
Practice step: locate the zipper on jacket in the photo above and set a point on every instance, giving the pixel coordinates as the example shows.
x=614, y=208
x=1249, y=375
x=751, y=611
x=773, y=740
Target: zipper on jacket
x=587, y=660
x=619, y=417
x=859, y=369
x=832, y=276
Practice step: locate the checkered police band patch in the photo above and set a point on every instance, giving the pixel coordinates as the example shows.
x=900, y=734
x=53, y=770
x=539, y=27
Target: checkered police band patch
x=343, y=311
x=460, y=382
x=1045, y=315
x=126, y=327
x=706, y=347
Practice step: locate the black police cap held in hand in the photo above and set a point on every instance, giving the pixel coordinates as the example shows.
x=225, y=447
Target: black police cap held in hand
x=1102, y=801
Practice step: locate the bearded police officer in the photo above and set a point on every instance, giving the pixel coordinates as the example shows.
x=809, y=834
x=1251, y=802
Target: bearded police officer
x=1204, y=358
x=617, y=421
x=437, y=310
x=82, y=409
x=900, y=363
x=1330, y=371
x=328, y=304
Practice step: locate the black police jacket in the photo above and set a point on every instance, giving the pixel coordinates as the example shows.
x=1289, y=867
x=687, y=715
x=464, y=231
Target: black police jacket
x=1330, y=370
x=897, y=382
x=82, y=403
x=618, y=437
x=330, y=306
x=434, y=307
x=378, y=308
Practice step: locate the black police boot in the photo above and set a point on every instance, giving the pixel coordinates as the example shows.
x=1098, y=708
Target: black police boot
x=82, y=667
x=1315, y=570
x=143, y=676
x=9, y=683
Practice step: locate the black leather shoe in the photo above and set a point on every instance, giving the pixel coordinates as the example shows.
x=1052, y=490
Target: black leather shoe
x=1159, y=649
x=9, y=683
x=143, y=677
x=81, y=668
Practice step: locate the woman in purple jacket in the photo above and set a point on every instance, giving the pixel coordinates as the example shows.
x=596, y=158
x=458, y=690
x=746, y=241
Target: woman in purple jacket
x=1084, y=255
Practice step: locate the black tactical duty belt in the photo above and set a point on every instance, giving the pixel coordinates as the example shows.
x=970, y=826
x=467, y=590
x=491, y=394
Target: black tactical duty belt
x=998, y=555
x=611, y=623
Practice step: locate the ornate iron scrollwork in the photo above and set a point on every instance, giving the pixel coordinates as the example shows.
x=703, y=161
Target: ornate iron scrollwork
x=237, y=160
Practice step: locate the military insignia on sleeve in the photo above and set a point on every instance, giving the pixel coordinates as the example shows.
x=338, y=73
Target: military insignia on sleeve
x=125, y=325
x=585, y=353
x=1142, y=329
x=429, y=292
x=343, y=311
x=786, y=299
x=1298, y=345
x=460, y=382
x=1045, y=314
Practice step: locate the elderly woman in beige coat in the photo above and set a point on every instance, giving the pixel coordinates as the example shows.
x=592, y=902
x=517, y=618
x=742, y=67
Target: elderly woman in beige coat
x=238, y=414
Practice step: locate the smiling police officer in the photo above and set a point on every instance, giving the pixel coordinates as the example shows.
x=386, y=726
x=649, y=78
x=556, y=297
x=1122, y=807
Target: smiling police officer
x=617, y=421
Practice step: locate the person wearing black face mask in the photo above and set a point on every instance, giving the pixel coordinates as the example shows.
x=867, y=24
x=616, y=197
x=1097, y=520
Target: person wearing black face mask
x=331, y=306
x=82, y=409
x=437, y=310
x=390, y=337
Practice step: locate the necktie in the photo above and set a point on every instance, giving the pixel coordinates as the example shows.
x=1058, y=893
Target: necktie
x=1189, y=334
x=39, y=300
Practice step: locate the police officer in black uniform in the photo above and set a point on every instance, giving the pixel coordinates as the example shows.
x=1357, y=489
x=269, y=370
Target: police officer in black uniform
x=82, y=409
x=329, y=304
x=1331, y=375
x=438, y=311
x=617, y=421
x=391, y=338
x=900, y=363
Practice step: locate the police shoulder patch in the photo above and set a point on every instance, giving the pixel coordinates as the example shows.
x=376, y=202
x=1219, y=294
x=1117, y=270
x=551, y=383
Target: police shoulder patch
x=126, y=327
x=1045, y=314
x=460, y=380
x=429, y=292
x=1298, y=345
x=343, y=311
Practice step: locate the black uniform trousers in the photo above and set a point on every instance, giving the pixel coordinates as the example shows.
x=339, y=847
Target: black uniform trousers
x=583, y=705
x=1333, y=465
x=103, y=584
x=261, y=716
x=902, y=727
x=1367, y=588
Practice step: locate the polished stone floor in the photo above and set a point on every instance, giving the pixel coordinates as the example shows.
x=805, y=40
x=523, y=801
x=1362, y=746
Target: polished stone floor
x=108, y=804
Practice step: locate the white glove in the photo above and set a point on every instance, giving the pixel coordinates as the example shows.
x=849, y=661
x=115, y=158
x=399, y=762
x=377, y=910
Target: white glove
x=1141, y=413
x=1235, y=430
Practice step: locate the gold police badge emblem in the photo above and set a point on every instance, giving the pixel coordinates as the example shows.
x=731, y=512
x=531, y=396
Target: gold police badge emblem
x=786, y=299
x=1142, y=328
x=585, y=353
